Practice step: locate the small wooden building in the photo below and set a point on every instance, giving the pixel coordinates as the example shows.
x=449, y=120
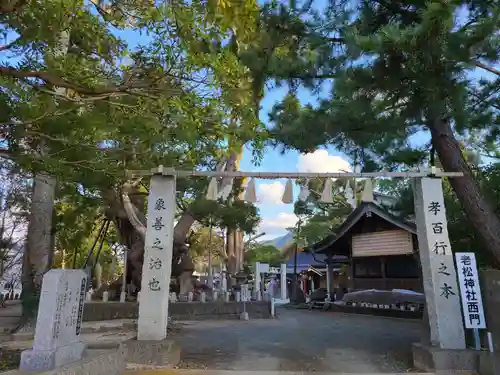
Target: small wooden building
x=382, y=250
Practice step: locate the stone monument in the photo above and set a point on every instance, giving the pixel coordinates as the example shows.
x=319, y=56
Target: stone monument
x=57, y=333
x=157, y=266
x=438, y=268
x=151, y=348
x=446, y=350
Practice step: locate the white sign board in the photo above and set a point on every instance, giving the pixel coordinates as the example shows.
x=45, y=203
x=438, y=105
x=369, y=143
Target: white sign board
x=263, y=268
x=470, y=291
x=245, y=293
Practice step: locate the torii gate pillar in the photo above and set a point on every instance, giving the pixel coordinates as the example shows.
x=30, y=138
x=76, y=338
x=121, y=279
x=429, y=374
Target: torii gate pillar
x=157, y=265
x=440, y=284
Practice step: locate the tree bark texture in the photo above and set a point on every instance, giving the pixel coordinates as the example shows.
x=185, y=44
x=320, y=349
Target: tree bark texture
x=240, y=249
x=39, y=240
x=480, y=212
x=235, y=243
x=232, y=261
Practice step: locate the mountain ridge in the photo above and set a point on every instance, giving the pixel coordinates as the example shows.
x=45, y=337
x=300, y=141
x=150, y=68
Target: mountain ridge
x=280, y=242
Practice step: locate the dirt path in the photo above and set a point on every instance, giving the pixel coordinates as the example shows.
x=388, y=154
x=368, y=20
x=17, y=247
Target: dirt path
x=301, y=341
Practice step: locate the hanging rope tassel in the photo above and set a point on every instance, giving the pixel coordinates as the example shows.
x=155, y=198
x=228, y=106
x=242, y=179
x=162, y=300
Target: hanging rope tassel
x=349, y=195
x=212, y=190
x=304, y=192
x=250, y=194
x=226, y=190
x=326, y=195
x=367, y=195
x=288, y=193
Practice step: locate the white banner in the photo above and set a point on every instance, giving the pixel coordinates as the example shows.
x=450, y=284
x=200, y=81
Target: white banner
x=470, y=290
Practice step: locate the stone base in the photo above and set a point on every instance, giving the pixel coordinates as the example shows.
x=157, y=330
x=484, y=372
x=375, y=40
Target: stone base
x=109, y=362
x=279, y=301
x=489, y=363
x=432, y=359
x=244, y=316
x=46, y=360
x=142, y=354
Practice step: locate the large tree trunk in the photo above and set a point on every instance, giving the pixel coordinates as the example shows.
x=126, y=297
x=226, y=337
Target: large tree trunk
x=40, y=237
x=183, y=226
x=235, y=242
x=479, y=210
x=135, y=245
x=39, y=241
x=240, y=250
x=232, y=261
x=132, y=237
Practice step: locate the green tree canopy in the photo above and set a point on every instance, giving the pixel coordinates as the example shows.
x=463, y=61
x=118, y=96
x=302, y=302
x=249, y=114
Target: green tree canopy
x=263, y=254
x=394, y=71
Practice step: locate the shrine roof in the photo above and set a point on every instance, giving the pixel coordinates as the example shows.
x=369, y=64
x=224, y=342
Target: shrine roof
x=363, y=209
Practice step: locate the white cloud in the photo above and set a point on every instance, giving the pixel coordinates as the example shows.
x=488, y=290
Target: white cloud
x=279, y=222
x=320, y=161
x=270, y=193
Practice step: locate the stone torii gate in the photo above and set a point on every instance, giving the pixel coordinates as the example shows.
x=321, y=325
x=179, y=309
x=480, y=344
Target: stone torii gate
x=438, y=269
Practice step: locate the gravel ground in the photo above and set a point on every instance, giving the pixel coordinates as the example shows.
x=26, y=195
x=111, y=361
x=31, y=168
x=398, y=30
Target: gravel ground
x=300, y=341
x=9, y=359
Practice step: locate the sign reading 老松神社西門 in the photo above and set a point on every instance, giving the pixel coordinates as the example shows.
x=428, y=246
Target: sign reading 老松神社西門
x=470, y=291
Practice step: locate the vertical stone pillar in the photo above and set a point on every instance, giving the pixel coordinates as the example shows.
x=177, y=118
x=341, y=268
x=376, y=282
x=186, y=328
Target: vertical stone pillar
x=329, y=278
x=283, y=281
x=157, y=266
x=224, y=281
x=438, y=269
x=257, y=278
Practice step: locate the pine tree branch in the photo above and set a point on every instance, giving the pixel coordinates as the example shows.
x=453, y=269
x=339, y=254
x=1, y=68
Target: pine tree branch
x=5, y=154
x=486, y=67
x=10, y=45
x=37, y=119
x=7, y=71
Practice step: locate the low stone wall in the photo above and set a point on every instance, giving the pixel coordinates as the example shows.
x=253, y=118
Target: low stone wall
x=95, y=362
x=364, y=310
x=95, y=311
x=379, y=311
